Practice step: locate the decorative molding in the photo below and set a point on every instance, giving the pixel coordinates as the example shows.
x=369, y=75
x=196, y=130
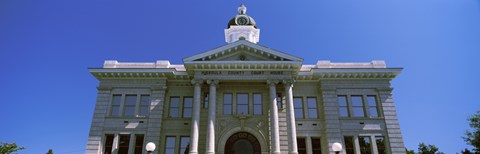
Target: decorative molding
x=270, y=82
x=197, y=82
x=212, y=82
x=288, y=82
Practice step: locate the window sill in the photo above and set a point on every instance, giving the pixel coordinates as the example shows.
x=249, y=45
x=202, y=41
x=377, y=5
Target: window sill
x=127, y=117
x=361, y=118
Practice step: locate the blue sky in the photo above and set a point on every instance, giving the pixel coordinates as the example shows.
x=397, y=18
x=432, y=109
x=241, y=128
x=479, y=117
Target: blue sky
x=47, y=94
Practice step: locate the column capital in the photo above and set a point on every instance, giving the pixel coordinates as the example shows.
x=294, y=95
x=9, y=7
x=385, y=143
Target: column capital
x=197, y=82
x=288, y=82
x=272, y=82
x=212, y=82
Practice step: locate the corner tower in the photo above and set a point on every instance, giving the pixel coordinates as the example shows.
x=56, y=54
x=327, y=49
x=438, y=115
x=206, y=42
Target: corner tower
x=242, y=27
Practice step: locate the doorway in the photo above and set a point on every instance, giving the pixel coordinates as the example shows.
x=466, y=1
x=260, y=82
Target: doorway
x=242, y=143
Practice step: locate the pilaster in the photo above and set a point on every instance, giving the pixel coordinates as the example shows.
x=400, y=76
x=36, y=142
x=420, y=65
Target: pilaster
x=394, y=134
x=94, y=144
x=332, y=123
x=154, y=126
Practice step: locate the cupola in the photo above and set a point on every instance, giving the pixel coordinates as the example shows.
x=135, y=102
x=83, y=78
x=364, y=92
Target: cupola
x=242, y=27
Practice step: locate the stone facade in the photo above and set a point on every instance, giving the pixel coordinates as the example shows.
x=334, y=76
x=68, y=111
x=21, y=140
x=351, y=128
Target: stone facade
x=245, y=95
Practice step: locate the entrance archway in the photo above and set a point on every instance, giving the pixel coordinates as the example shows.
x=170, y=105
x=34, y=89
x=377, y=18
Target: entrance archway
x=242, y=143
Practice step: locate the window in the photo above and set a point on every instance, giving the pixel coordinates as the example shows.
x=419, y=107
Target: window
x=187, y=107
x=357, y=106
x=298, y=107
x=301, y=146
x=257, y=104
x=174, y=107
x=279, y=101
x=205, y=100
x=349, y=146
x=380, y=144
x=184, y=145
x=312, y=107
x=108, y=144
x=343, y=107
x=242, y=104
x=130, y=104
x=138, y=143
x=372, y=106
x=144, y=105
x=227, y=103
x=123, y=144
x=170, y=145
x=364, y=142
x=117, y=100
x=316, y=146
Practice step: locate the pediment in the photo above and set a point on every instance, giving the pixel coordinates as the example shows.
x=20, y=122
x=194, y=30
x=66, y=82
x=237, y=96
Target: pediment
x=241, y=51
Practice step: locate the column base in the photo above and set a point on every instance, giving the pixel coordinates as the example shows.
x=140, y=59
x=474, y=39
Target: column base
x=210, y=152
x=292, y=152
x=276, y=152
x=193, y=152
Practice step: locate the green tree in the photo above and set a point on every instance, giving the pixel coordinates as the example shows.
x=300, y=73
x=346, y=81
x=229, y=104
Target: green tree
x=466, y=151
x=6, y=148
x=409, y=151
x=50, y=151
x=473, y=137
x=427, y=149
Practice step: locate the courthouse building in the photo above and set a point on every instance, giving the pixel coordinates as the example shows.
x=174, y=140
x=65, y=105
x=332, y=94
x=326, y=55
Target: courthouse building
x=244, y=98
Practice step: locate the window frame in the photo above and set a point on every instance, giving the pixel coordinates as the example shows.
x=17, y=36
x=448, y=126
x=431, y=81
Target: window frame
x=134, y=105
x=257, y=103
x=295, y=108
x=312, y=108
x=106, y=144
x=225, y=104
x=299, y=141
x=180, y=148
x=125, y=146
x=357, y=106
x=166, y=145
x=138, y=146
x=244, y=104
x=184, y=107
x=376, y=106
x=170, y=107
x=364, y=147
x=113, y=104
x=343, y=107
x=141, y=105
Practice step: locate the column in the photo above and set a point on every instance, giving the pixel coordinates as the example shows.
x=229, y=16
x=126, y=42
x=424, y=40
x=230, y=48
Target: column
x=116, y=139
x=211, y=116
x=195, y=117
x=291, y=126
x=309, y=145
x=274, y=118
x=373, y=140
x=356, y=144
x=131, y=143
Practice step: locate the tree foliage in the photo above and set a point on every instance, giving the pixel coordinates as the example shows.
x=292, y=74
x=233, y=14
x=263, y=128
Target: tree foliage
x=409, y=151
x=6, y=148
x=466, y=151
x=50, y=151
x=427, y=149
x=473, y=137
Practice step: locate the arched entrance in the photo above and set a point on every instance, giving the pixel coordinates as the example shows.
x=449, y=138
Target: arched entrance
x=242, y=143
